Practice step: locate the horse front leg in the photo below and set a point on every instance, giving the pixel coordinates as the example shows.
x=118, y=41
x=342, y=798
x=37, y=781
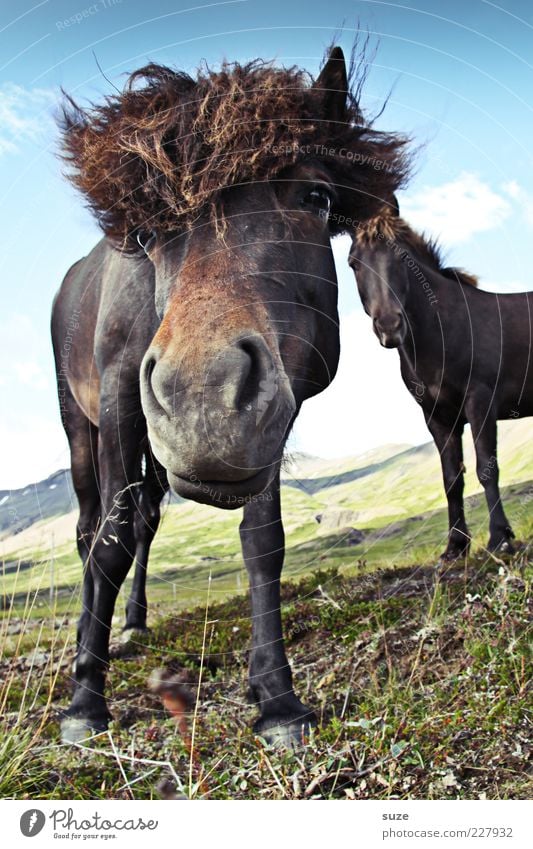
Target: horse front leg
x=448, y=439
x=284, y=719
x=484, y=433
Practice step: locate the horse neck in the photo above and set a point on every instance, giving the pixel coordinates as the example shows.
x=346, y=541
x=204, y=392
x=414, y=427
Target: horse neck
x=424, y=288
x=423, y=303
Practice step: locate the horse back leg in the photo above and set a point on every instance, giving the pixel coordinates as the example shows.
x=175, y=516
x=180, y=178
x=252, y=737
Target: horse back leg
x=484, y=432
x=145, y=524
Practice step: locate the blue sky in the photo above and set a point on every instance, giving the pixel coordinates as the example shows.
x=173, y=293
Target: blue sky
x=462, y=80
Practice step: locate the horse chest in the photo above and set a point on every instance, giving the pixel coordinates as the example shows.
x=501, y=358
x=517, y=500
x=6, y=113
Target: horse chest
x=425, y=385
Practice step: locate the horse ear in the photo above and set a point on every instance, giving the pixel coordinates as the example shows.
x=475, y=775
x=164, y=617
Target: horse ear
x=333, y=81
x=394, y=206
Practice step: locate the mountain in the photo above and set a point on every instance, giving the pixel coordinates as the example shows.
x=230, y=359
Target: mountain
x=47, y=499
x=20, y=508
x=397, y=481
x=386, y=505
x=392, y=480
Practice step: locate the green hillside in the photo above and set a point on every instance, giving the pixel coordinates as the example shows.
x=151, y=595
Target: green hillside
x=392, y=495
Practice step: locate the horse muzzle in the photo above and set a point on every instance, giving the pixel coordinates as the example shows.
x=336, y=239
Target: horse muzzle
x=221, y=438
x=391, y=331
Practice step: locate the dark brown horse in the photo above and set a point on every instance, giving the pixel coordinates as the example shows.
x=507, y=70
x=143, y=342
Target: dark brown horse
x=188, y=339
x=465, y=354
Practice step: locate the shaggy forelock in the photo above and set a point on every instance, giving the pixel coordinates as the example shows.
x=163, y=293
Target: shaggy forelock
x=161, y=153
x=384, y=225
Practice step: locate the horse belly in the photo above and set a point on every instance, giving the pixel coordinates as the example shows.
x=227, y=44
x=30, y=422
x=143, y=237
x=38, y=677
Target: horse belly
x=516, y=394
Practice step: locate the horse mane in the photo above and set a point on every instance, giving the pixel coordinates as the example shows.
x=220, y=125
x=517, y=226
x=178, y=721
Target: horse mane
x=390, y=226
x=160, y=153
x=460, y=275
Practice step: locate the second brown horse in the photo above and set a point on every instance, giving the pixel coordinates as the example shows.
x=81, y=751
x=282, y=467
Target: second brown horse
x=465, y=356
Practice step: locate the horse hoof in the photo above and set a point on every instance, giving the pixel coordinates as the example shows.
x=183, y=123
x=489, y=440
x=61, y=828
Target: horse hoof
x=506, y=547
x=291, y=734
x=448, y=558
x=75, y=729
x=132, y=633
x=129, y=642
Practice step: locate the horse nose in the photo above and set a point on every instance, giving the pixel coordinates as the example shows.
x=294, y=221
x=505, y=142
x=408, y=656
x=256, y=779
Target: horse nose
x=389, y=323
x=244, y=375
x=390, y=329
x=241, y=378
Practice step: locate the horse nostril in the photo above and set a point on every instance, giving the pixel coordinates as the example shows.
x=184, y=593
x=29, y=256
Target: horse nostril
x=389, y=323
x=243, y=373
x=150, y=389
x=148, y=369
x=257, y=368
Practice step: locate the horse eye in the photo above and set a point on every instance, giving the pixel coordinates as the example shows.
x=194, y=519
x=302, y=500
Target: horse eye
x=319, y=201
x=146, y=239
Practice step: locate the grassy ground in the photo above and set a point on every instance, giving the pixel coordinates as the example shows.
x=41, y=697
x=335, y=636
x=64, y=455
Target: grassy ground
x=421, y=678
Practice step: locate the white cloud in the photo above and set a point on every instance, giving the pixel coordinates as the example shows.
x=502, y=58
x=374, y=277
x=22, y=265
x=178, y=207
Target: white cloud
x=32, y=442
x=512, y=189
x=505, y=287
x=457, y=210
x=25, y=357
x=522, y=198
x=25, y=115
x=30, y=450
x=31, y=374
